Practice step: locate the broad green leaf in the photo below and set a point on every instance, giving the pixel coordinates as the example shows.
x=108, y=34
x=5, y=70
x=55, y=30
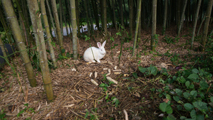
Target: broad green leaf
x=169, y=109
x=200, y=117
x=179, y=107
x=163, y=106
x=168, y=97
x=188, y=106
x=211, y=98
x=202, y=95
x=191, y=86
x=193, y=114
x=193, y=77
x=103, y=85
x=187, y=84
x=195, y=71
x=182, y=117
x=203, y=85
x=186, y=95
x=141, y=69
x=176, y=98
x=171, y=117
x=153, y=70
x=178, y=91
x=182, y=79
x=135, y=75
x=193, y=93
x=200, y=105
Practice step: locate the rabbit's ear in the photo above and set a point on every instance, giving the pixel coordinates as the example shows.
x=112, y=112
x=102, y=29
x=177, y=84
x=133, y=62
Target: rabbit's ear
x=99, y=44
x=104, y=43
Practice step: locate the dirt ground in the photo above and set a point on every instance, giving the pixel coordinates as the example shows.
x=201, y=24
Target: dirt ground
x=76, y=96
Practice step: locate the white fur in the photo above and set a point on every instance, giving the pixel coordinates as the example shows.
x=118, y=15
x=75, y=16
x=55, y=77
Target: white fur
x=98, y=53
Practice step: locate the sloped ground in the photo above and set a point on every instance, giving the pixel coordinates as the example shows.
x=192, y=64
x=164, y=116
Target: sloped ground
x=76, y=95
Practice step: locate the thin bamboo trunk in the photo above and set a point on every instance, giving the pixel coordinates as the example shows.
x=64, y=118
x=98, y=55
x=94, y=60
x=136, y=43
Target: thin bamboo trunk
x=198, y=31
x=102, y=14
x=61, y=13
x=90, y=17
x=178, y=12
x=195, y=23
x=40, y=43
x=51, y=18
x=111, y=12
x=165, y=17
x=131, y=17
x=114, y=16
x=137, y=25
x=121, y=12
x=58, y=29
x=87, y=18
x=182, y=17
x=18, y=38
x=68, y=9
x=49, y=38
x=77, y=17
x=125, y=12
x=95, y=10
x=154, y=15
x=105, y=16
x=206, y=25
x=74, y=30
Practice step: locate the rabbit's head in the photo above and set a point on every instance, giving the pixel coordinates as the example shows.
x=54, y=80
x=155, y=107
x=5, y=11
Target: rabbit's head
x=101, y=48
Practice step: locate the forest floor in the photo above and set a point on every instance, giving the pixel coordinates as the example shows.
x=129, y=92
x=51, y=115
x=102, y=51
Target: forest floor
x=76, y=97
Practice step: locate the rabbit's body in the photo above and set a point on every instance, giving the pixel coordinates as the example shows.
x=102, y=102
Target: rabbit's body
x=93, y=53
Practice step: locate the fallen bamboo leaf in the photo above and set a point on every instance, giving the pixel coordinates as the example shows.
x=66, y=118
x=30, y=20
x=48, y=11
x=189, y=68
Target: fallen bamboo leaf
x=110, y=63
x=109, y=70
x=116, y=73
x=96, y=74
x=105, y=68
x=107, y=74
x=126, y=115
x=90, y=75
x=112, y=80
x=94, y=82
x=117, y=70
x=69, y=105
x=115, y=67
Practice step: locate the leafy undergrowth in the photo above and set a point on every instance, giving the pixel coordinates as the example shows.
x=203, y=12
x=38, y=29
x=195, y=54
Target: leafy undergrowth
x=153, y=94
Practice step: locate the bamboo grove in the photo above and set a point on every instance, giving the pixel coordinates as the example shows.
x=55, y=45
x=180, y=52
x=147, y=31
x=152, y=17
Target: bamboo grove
x=26, y=21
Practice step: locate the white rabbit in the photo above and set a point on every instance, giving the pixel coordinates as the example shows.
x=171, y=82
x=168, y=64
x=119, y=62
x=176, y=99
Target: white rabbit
x=95, y=53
